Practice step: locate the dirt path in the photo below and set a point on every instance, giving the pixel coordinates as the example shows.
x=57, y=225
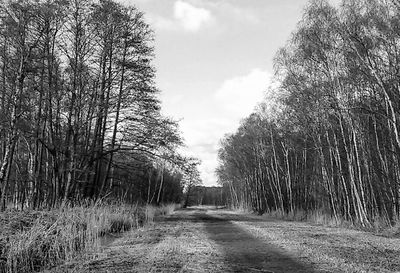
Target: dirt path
x=209, y=240
x=243, y=252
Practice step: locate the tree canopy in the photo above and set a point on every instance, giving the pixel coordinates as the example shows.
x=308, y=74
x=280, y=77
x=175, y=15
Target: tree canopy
x=80, y=114
x=334, y=145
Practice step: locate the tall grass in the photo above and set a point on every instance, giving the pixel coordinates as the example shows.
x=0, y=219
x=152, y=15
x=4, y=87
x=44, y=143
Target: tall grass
x=32, y=241
x=242, y=207
x=380, y=225
x=151, y=211
x=315, y=216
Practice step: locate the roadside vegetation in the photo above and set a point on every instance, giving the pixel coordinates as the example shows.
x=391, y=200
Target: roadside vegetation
x=324, y=145
x=31, y=241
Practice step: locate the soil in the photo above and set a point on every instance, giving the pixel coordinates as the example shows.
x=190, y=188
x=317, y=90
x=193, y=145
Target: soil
x=206, y=239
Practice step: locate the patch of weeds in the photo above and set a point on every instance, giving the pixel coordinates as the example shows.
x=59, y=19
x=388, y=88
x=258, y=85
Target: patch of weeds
x=149, y=212
x=32, y=241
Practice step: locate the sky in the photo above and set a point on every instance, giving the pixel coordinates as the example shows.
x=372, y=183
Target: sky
x=214, y=61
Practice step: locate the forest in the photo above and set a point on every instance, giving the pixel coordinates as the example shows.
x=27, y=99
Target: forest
x=80, y=115
x=206, y=196
x=95, y=177
x=326, y=138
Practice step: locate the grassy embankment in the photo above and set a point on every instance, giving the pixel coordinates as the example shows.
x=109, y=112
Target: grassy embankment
x=34, y=240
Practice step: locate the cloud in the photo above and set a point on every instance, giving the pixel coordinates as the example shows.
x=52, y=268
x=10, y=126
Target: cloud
x=202, y=138
x=239, y=13
x=190, y=17
x=235, y=99
x=185, y=16
x=239, y=95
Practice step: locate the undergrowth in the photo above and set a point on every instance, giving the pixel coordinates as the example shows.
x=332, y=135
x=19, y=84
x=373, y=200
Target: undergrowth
x=34, y=240
x=379, y=225
x=151, y=211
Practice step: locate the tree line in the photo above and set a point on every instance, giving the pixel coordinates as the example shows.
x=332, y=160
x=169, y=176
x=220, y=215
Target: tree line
x=80, y=117
x=209, y=196
x=330, y=139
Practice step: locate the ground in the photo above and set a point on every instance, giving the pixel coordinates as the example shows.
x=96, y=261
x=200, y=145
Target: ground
x=205, y=239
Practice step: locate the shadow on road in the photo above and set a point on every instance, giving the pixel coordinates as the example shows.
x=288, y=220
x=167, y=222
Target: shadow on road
x=242, y=251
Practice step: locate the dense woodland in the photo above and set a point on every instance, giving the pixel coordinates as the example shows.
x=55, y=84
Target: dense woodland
x=211, y=196
x=80, y=117
x=329, y=140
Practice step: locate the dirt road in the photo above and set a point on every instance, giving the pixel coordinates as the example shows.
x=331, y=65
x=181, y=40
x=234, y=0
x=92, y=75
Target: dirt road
x=210, y=240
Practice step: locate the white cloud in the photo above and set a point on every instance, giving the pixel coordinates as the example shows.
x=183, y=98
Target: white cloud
x=203, y=137
x=238, y=96
x=234, y=100
x=185, y=16
x=190, y=17
x=234, y=12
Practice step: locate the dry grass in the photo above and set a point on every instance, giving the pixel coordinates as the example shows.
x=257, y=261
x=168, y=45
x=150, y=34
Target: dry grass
x=31, y=241
x=150, y=212
x=168, y=209
x=317, y=240
x=315, y=216
x=242, y=208
x=208, y=240
x=330, y=249
x=169, y=246
x=379, y=225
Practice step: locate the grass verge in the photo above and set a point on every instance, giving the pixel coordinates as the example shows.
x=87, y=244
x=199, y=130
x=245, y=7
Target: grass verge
x=379, y=225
